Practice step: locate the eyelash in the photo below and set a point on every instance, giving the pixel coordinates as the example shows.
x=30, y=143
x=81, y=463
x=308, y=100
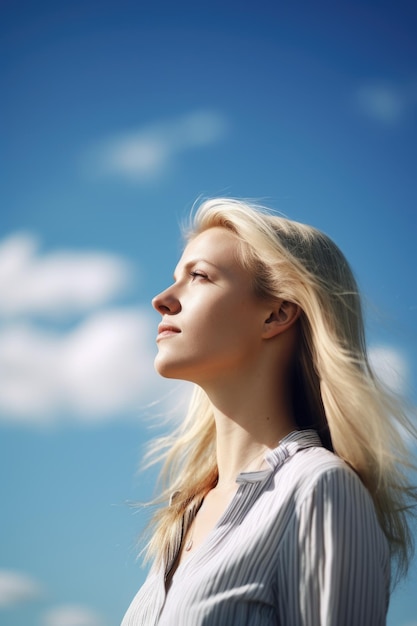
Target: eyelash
x=195, y=274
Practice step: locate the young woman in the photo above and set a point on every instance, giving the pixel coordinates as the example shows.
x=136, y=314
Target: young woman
x=286, y=493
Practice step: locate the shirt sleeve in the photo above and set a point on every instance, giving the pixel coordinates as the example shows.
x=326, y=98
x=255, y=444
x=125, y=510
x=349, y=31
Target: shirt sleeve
x=336, y=557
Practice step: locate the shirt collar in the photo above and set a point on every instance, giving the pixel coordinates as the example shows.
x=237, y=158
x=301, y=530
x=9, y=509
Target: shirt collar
x=287, y=447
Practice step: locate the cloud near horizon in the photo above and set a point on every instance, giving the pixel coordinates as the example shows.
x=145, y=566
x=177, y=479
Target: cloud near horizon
x=71, y=615
x=145, y=154
x=17, y=588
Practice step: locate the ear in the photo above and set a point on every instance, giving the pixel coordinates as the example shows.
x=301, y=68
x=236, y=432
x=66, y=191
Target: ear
x=282, y=317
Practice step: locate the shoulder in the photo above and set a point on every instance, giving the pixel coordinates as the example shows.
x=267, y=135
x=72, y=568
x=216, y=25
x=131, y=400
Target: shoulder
x=333, y=551
x=316, y=473
x=332, y=506
x=312, y=463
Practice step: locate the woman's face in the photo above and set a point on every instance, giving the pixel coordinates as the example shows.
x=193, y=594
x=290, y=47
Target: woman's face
x=211, y=319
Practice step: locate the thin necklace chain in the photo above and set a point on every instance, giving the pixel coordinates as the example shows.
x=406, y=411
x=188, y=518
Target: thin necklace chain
x=189, y=544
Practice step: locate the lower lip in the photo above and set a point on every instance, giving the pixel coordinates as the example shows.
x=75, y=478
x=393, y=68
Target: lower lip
x=167, y=333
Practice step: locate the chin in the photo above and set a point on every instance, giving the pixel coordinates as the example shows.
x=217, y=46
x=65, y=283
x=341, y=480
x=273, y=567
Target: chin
x=174, y=371
x=164, y=369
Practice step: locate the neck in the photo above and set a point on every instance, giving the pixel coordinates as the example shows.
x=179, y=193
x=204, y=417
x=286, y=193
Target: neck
x=251, y=417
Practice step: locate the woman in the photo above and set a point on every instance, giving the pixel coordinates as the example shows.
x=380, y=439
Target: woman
x=286, y=485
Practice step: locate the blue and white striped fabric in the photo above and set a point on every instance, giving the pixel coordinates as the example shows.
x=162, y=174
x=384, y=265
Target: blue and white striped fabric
x=299, y=545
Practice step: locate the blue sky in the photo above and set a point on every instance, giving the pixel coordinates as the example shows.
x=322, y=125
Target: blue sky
x=116, y=118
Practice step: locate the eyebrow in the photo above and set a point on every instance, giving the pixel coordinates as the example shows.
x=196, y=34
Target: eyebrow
x=193, y=262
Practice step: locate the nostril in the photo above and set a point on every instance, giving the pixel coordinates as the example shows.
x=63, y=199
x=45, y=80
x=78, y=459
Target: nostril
x=166, y=302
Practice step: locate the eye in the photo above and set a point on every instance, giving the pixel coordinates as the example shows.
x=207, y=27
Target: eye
x=197, y=274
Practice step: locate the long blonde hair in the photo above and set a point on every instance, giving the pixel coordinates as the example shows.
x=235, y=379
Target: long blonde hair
x=334, y=388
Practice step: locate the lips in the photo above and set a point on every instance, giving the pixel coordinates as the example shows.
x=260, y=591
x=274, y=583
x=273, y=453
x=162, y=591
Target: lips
x=167, y=330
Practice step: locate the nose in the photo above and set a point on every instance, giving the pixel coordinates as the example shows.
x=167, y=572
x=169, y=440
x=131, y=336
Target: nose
x=166, y=302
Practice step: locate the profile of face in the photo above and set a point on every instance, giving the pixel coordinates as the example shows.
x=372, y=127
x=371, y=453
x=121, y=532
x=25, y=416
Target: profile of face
x=212, y=321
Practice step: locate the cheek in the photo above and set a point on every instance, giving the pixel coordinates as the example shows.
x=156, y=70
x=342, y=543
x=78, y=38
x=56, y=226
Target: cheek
x=234, y=326
x=216, y=323
x=219, y=320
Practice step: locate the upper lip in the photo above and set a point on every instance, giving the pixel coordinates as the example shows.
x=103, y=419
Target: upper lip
x=163, y=326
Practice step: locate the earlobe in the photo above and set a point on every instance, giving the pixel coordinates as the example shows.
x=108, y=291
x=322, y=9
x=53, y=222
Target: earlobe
x=281, y=318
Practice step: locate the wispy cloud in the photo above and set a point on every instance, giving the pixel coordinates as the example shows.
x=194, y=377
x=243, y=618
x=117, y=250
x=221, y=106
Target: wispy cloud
x=60, y=282
x=71, y=615
x=17, y=588
x=390, y=366
x=147, y=153
x=386, y=102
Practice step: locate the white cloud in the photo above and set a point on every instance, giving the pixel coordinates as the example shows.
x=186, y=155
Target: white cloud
x=101, y=368
x=390, y=366
x=149, y=152
x=71, y=615
x=60, y=282
x=17, y=588
x=385, y=102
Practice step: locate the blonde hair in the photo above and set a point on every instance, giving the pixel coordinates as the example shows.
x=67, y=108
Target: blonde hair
x=334, y=388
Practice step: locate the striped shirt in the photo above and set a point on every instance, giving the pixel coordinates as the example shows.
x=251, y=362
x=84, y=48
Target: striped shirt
x=299, y=545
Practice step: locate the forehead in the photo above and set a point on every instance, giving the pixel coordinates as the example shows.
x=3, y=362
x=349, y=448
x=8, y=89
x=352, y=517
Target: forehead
x=217, y=246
